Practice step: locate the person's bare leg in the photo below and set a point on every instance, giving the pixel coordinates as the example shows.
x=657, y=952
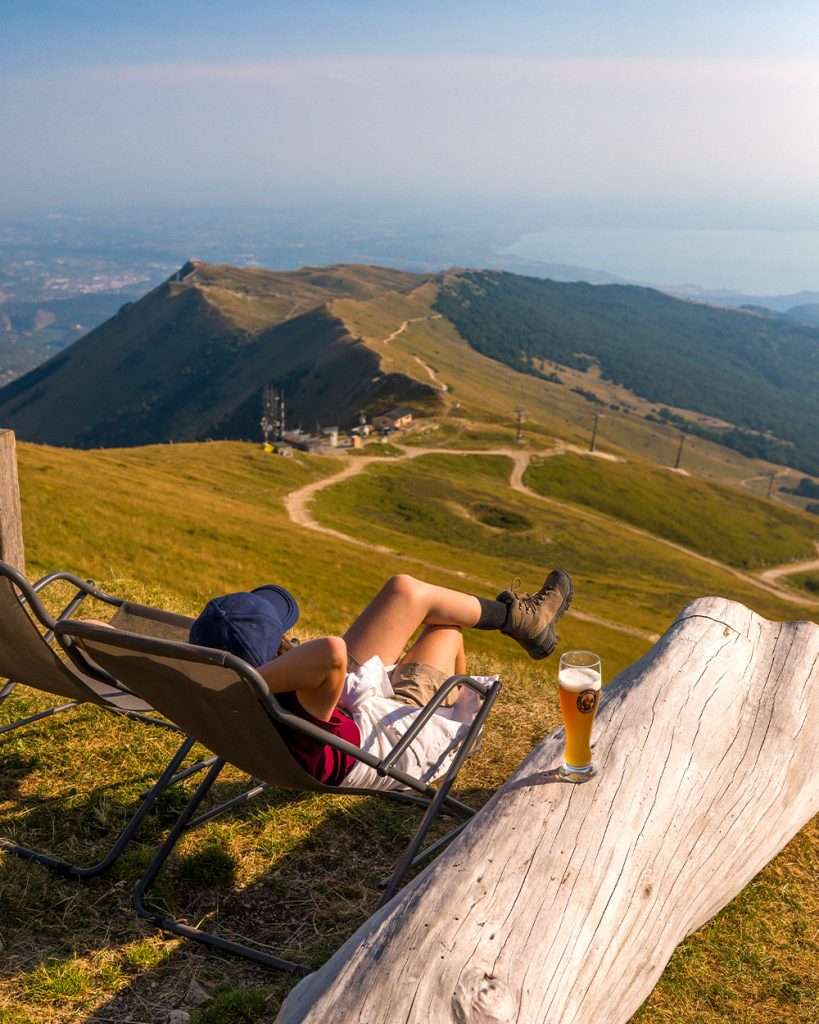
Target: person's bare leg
x=442, y=648
x=460, y=659
x=439, y=646
x=315, y=670
x=400, y=607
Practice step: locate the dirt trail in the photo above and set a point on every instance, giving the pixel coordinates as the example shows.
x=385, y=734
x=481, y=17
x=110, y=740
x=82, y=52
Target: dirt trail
x=791, y=568
x=406, y=323
x=431, y=373
x=297, y=505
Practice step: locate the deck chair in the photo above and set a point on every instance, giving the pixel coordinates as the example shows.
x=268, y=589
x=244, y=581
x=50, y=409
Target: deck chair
x=227, y=706
x=27, y=657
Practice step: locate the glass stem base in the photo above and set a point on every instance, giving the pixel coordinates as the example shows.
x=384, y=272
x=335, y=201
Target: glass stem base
x=576, y=773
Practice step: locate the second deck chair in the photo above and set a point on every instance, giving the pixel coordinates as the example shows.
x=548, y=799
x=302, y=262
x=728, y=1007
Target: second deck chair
x=227, y=706
x=27, y=657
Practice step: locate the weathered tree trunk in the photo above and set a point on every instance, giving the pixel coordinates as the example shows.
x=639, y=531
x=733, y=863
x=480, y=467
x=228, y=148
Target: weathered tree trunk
x=561, y=903
x=11, y=522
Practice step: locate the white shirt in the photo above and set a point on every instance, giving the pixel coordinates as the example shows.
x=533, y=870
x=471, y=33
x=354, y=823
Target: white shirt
x=382, y=721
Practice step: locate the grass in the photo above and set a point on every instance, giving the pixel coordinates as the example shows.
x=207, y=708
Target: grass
x=807, y=581
x=233, y=1006
x=757, y=959
x=711, y=519
x=627, y=578
x=381, y=449
x=488, y=392
x=175, y=524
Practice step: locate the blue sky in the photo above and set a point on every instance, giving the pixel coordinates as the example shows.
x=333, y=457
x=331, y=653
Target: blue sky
x=66, y=33
x=706, y=105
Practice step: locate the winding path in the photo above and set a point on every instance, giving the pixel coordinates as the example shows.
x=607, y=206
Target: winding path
x=405, y=325
x=297, y=504
x=765, y=580
x=791, y=568
x=431, y=374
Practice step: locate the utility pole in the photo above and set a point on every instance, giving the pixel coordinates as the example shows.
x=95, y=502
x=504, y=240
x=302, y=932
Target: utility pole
x=771, y=485
x=594, y=432
x=520, y=416
x=679, y=452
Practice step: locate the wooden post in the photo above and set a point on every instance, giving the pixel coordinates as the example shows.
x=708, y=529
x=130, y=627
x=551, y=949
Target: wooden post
x=563, y=902
x=11, y=519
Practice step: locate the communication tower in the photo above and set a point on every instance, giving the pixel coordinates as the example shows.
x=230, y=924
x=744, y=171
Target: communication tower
x=281, y=418
x=268, y=420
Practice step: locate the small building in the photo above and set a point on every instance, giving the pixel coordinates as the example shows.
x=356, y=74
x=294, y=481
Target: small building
x=395, y=419
x=331, y=433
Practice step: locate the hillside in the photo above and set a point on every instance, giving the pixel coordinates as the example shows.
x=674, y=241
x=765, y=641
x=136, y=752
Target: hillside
x=189, y=360
x=759, y=376
x=31, y=332
x=301, y=871
x=806, y=314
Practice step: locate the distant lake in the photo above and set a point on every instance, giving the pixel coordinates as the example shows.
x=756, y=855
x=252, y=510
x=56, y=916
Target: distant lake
x=758, y=262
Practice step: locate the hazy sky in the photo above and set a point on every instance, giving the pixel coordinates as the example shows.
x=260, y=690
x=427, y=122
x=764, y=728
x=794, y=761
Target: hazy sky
x=220, y=100
x=708, y=105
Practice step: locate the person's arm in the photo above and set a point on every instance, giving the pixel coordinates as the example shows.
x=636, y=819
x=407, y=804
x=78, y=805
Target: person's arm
x=315, y=670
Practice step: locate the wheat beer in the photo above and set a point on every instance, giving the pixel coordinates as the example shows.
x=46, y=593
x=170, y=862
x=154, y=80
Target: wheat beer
x=579, y=680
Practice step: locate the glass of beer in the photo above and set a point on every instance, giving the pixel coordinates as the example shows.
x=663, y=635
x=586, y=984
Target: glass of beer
x=580, y=680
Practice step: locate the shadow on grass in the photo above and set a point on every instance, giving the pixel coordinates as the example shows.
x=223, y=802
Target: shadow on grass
x=293, y=873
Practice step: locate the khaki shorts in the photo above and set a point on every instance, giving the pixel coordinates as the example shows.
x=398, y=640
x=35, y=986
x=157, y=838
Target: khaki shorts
x=414, y=682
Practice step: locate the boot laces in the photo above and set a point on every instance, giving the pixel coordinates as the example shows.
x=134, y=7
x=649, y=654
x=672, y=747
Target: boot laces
x=529, y=603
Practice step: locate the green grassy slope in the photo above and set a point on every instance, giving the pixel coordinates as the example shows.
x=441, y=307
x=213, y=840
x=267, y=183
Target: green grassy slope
x=722, y=523
x=759, y=373
x=200, y=519
x=443, y=508
x=807, y=581
x=174, y=524
x=479, y=406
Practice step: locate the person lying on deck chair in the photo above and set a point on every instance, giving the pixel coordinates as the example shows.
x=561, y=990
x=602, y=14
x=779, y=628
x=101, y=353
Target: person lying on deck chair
x=362, y=687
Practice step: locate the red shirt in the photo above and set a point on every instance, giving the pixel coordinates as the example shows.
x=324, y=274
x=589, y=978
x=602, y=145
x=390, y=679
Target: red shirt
x=320, y=760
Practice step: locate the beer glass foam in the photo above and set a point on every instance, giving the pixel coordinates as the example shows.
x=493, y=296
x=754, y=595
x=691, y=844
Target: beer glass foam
x=576, y=679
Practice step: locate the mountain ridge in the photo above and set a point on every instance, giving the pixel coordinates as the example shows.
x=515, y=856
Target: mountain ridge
x=189, y=360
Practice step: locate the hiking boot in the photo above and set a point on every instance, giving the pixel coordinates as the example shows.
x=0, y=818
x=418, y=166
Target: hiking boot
x=532, y=617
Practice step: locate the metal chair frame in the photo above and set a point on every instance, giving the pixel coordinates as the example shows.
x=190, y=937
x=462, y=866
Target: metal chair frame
x=434, y=800
x=28, y=594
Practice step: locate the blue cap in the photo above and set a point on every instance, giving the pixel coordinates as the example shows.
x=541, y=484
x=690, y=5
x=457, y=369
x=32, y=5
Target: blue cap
x=248, y=624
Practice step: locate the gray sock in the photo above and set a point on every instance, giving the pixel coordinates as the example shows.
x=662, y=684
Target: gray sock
x=493, y=614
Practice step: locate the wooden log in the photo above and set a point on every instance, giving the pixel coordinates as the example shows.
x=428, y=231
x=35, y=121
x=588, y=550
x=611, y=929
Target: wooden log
x=561, y=903
x=11, y=519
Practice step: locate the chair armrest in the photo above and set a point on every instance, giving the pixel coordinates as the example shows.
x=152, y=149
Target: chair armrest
x=429, y=710
x=86, y=587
